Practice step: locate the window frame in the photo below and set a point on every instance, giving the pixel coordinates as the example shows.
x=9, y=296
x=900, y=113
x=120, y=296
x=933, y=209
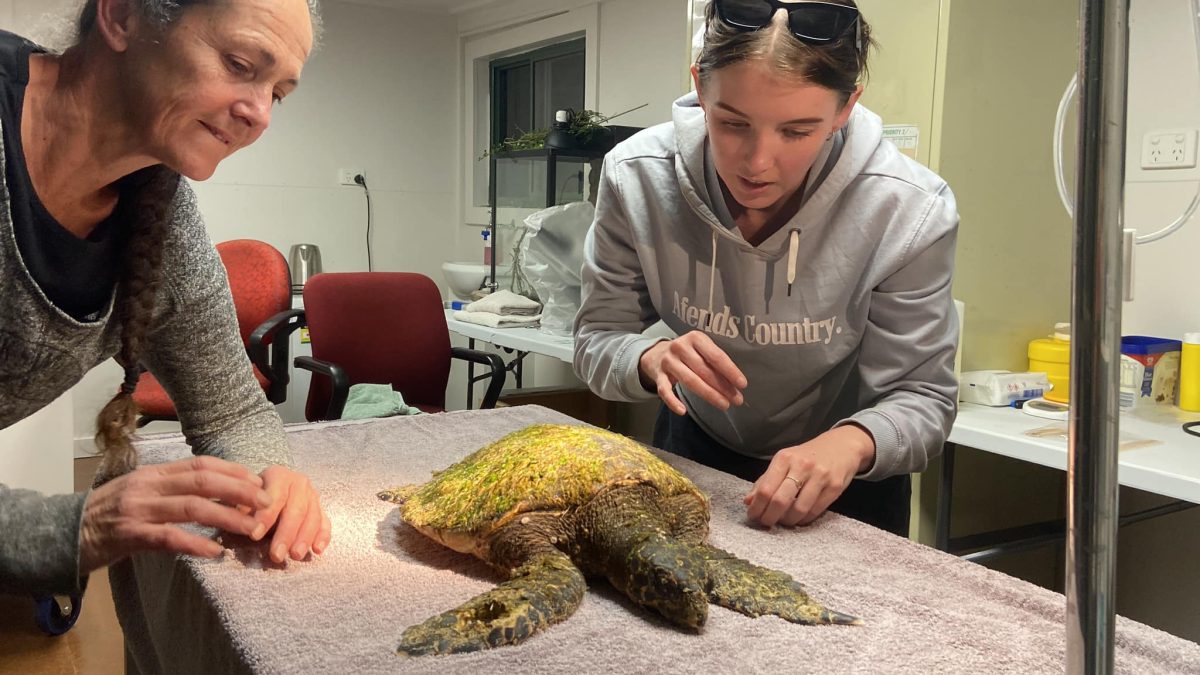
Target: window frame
x=530, y=58
x=478, y=51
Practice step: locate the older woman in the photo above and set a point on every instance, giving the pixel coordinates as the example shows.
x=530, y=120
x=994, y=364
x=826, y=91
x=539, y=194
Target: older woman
x=103, y=254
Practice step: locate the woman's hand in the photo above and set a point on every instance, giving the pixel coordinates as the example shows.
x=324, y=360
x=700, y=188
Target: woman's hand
x=802, y=481
x=135, y=512
x=696, y=362
x=296, y=514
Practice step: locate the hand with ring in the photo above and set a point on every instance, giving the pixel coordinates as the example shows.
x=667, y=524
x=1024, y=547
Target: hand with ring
x=802, y=481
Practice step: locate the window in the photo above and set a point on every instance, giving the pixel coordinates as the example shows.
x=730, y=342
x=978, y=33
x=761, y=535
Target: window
x=528, y=88
x=485, y=46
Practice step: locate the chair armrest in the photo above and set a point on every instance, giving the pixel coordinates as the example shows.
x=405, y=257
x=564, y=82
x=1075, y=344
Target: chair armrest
x=339, y=380
x=498, y=371
x=275, y=332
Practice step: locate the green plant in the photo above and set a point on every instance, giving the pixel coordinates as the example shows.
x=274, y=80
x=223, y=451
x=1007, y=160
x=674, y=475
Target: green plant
x=530, y=140
x=584, y=125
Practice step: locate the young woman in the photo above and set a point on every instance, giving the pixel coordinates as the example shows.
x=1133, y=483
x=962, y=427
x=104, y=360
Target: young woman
x=103, y=253
x=804, y=264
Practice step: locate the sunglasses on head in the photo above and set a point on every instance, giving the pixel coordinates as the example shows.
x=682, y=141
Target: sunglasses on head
x=813, y=23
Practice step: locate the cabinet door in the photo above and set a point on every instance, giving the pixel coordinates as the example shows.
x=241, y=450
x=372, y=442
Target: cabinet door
x=902, y=85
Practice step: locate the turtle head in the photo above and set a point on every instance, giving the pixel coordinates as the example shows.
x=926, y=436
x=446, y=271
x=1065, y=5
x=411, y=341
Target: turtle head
x=397, y=495
x=668, y=576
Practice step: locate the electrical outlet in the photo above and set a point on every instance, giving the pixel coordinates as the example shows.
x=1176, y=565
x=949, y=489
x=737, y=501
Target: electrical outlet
x=1169, y=149
x=346, y=176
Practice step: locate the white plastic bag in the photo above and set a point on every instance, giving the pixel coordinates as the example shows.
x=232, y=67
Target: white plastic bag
x=553, y=260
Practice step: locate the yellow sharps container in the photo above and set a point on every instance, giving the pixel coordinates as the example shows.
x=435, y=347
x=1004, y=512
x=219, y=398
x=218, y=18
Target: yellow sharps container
x=1052, y=355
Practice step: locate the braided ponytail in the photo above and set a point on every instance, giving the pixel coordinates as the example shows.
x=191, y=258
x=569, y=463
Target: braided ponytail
x=151, y=191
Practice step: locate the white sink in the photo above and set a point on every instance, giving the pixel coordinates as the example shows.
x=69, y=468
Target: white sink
x=464, y=278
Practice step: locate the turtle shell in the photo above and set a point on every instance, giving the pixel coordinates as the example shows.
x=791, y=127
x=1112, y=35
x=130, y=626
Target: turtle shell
x=543, y=468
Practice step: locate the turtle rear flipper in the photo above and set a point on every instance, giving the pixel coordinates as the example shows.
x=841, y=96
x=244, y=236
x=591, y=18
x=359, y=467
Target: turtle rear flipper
x=754, y=591
x=543, y=591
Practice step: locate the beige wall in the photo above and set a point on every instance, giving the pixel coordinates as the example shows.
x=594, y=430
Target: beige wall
x=902, y=85
x=1006, y=67
x=991, y=111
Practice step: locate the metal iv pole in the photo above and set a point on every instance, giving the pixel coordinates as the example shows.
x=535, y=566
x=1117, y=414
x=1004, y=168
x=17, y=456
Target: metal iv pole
x=1095, y=345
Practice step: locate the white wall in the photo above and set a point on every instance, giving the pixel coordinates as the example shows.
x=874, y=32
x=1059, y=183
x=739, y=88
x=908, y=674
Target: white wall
x=1164, y=93
x=643, y=58
x=1155, y=580
x=378, y=95
x=36, y=452
x=47, y=22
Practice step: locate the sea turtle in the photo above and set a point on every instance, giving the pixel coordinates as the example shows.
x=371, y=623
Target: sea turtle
x=549, y=504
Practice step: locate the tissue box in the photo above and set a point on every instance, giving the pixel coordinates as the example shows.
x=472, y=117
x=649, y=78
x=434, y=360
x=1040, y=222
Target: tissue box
x=1001, y=387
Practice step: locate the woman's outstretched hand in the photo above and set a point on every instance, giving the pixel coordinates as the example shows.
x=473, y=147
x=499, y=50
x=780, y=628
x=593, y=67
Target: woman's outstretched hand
x=804, y=480
x=696, y=362
x=138, y=511
x=295, y=512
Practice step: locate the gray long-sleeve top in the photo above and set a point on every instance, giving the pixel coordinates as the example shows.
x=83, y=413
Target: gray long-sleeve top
x=193, y=348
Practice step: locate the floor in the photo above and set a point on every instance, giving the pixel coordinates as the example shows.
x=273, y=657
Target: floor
x=92, y=647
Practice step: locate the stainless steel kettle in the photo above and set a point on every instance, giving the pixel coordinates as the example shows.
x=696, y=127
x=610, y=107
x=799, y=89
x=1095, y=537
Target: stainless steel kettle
x=305, y=263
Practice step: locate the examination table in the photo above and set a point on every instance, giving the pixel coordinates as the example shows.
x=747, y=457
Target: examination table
x=343, y=612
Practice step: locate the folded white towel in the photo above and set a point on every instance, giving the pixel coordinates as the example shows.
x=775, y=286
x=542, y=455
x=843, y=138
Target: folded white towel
x=497, y=320
x=505, y=303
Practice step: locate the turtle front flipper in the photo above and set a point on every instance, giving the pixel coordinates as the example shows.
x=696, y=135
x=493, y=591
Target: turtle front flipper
x=543, y=591
x=754, y=591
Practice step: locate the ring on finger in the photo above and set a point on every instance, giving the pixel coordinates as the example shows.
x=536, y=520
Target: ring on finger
x=795, y=480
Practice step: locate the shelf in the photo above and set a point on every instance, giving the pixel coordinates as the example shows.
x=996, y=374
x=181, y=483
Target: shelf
x=545, y=153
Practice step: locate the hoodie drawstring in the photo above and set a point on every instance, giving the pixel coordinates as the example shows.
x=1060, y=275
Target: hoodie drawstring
x=793, y=252
x=712, y=274
x=793, y=249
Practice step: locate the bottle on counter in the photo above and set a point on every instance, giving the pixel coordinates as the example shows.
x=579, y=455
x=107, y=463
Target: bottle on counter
x=1189, y=373
x=1052, y=355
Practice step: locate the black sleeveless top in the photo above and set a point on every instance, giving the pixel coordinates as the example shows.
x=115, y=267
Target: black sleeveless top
x=77, y=275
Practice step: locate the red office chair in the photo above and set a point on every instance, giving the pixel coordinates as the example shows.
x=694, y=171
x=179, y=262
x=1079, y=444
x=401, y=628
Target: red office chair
x=382, y=328
x=262, y=295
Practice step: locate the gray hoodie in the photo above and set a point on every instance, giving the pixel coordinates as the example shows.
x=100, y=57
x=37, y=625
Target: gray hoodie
x=842, y=316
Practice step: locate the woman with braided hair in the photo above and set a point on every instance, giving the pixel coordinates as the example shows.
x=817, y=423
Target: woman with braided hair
x=103, y=254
